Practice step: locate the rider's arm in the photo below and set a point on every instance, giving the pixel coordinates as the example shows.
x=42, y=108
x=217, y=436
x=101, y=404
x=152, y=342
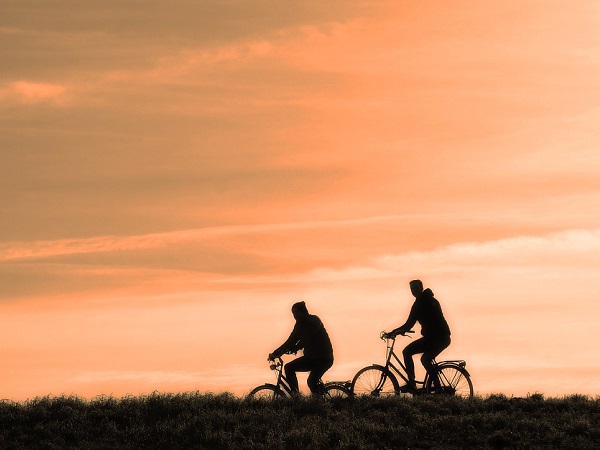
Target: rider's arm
x=291, y=344
x=410, y=322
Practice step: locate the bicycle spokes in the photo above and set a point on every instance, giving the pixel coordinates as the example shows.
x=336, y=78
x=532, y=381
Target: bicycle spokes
x=451, y=380
x=374, y=381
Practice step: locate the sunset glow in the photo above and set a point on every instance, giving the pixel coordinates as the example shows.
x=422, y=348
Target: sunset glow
x=175, y=177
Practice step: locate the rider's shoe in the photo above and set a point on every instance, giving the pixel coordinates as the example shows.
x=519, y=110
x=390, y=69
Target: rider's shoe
x=408, y=388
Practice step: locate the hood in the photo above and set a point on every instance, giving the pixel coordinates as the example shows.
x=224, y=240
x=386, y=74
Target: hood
x=426, y=293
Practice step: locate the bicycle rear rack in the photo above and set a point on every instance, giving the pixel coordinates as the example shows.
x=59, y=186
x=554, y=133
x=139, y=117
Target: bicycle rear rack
x=458, y=362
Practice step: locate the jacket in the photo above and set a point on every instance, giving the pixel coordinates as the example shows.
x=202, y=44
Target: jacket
x=309, y=334
x=427, y=311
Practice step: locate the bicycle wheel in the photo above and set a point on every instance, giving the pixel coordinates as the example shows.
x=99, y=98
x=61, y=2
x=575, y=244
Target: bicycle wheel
x=375, y=381
x=454, y=380
x=336, y=390
x=266, y=391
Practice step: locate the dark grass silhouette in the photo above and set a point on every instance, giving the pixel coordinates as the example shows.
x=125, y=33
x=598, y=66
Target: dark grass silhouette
x=196, y=420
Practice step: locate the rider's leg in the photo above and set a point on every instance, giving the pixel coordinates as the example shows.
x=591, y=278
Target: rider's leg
x=320, y=366
x=416, y=347
x=301, y=364
x=435, y=348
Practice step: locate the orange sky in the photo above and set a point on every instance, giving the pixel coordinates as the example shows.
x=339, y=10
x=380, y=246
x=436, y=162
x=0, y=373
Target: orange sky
x=174, y=177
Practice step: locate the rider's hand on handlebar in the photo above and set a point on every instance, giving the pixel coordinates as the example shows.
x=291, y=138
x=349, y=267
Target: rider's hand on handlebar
x=393, y=334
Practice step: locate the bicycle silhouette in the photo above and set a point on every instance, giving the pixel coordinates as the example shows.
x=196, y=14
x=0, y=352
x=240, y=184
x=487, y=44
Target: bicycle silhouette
x=451, y=377
x=327, y=390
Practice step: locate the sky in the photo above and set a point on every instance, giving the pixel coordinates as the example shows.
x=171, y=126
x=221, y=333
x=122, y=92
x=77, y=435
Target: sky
x=175, y=175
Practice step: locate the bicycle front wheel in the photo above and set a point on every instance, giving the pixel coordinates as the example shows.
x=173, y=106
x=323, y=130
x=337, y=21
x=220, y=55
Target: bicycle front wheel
x=375, y=381
x=336, y=390
x=266, y=391
x=453, y=380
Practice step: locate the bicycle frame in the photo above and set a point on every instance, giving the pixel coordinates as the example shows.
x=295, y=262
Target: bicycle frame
x=389, y=363
x=282, y=382
x=447, y=377
x=390, y=367
x=284, y=385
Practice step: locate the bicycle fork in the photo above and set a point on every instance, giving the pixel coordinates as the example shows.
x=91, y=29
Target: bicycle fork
x=377, y=391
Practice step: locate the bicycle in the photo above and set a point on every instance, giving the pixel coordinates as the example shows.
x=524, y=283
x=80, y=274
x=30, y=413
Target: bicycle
x=451, y=377
x=327, y=390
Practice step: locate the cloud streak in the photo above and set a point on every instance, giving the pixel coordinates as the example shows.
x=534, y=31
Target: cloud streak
x=103, y=244
x=29, y=92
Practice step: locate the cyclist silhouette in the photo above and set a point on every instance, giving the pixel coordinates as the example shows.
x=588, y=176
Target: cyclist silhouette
x=435, y=331
x=308, y=334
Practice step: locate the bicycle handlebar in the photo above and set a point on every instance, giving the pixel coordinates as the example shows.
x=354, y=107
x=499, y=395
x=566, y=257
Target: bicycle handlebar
x=278, y=360
x=275, y=363
x=385, y=335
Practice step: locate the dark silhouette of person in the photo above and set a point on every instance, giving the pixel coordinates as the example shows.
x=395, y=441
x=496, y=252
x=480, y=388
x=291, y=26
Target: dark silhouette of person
x=310, y=335
x=434, y=330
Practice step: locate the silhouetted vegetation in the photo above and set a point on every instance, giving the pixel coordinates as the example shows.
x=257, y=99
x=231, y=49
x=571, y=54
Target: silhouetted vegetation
x=195, y=420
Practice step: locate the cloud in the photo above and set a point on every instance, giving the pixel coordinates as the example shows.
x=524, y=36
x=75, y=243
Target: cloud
x=578, y=248
x=573, y=249
x=103, y=244
x=30, y=92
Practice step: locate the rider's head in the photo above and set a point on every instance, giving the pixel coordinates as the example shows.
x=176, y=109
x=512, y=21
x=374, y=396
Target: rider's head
x=416, y=287
x=299, y=310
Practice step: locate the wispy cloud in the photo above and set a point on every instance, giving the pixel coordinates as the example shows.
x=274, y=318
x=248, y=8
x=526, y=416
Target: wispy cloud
x=579, y=247
x=31, y=92
x=576, y=248
x=103, y=244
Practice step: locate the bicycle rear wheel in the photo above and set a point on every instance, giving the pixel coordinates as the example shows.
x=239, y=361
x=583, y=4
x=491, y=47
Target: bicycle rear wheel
x=453, y=380
x=266, y=391
x=375, y=381
x=336, y=390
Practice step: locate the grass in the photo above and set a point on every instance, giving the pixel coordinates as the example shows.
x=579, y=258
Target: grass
x=196, y=421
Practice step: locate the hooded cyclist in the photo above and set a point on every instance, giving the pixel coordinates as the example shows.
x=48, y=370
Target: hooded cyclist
x=310, y=335
x=434, y=330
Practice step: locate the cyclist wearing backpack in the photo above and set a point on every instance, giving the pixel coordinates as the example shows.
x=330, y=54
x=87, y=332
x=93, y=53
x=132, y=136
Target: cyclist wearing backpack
x=308, y=334
x=435, y=331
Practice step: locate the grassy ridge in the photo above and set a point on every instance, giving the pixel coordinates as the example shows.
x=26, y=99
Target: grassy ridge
x=195, y=420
